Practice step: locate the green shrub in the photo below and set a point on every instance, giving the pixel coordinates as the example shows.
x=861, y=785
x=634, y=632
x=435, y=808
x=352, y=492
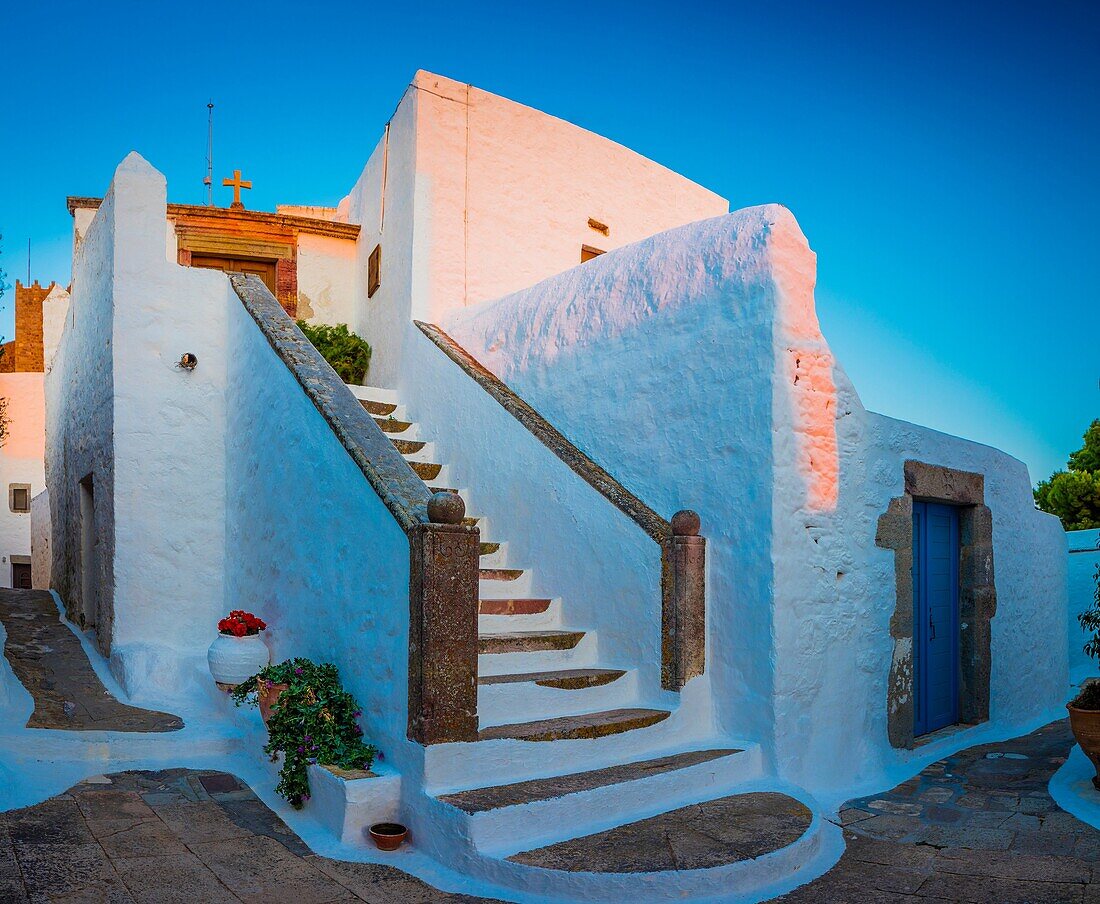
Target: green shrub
x=347, y=353
x=314, y=721
x=1074, y=495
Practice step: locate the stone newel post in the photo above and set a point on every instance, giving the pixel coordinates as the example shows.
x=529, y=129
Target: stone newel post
x=684, y=623
x=443, y=601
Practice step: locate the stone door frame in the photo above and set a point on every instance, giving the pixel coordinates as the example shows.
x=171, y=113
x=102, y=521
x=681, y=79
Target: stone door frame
x=977, y=593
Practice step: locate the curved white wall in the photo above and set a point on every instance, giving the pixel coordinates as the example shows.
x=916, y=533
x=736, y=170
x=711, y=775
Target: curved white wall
x=692, y=367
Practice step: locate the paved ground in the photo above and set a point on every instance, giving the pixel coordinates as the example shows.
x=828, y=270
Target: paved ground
x=179, y=836
x=50, y=663
x=739, y=827
x=979, y=826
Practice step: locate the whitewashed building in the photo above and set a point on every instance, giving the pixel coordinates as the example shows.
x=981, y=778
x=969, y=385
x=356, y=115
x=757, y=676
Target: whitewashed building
x=582, y=344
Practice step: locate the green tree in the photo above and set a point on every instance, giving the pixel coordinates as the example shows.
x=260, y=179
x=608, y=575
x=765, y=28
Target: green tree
x=1074, y=495
x=348, y=353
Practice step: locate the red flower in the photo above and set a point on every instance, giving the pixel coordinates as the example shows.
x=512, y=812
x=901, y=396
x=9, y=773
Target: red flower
x=241, y=624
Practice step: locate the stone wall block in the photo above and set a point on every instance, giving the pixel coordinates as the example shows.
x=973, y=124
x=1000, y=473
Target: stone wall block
x=684, y=629
x=443, y=601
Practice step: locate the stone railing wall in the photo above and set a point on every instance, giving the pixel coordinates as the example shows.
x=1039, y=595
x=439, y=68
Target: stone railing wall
x=683, y=551
x=443, y=565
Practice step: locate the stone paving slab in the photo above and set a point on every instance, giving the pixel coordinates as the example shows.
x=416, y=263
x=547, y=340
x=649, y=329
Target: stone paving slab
x=49, y=661
x=180, y=836
x=978, y=826
x=738, y=827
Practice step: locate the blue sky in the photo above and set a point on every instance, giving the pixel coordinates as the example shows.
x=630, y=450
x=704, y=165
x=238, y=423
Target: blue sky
x=941, y=160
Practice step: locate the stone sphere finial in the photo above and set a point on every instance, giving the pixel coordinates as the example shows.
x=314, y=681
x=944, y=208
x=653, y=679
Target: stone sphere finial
x=446, y=508
x=685, y=523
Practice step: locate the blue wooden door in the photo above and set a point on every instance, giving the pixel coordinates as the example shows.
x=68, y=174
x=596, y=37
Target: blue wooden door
x=936, y=614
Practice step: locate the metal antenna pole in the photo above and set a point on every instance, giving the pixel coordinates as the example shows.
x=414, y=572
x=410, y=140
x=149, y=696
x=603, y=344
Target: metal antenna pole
x=28, y=262
x=209, y=180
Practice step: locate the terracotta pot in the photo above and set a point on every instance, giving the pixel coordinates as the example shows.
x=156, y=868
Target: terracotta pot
x=1086, y=728
x=268, y=697
x=233, y=660
x=387, y=836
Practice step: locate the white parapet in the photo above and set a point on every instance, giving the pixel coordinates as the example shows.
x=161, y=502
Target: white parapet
x=349, y=802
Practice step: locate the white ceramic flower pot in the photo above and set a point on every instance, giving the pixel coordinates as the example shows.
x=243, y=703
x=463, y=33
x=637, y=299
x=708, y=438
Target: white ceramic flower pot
x=234, y=660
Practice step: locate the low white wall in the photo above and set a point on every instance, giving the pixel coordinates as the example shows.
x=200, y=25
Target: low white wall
x=20, y=462
x=310, y=547
x=1084, y=556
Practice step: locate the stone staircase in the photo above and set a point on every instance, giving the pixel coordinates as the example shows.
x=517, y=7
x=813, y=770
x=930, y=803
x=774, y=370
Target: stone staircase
x=631, y=770
x=527, y=651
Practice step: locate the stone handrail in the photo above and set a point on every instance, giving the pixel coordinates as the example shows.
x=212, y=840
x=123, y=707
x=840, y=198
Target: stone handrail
x=443, y=563
x=683, y=551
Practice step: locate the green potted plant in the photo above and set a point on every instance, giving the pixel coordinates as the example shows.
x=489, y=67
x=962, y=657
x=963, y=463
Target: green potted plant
x=312, y=720
x=1084, y=709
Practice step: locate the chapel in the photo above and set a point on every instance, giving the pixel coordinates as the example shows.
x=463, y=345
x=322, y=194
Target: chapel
x=606, y=507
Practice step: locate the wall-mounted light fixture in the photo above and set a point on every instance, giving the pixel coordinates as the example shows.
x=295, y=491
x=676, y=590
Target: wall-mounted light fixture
x=187, y=361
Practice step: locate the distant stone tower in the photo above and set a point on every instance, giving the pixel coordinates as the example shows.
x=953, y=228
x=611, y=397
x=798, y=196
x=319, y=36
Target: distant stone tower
x=25, y=353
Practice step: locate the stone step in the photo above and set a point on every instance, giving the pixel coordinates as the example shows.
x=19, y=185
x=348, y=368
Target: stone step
x=487, y=549
x=444, y=490
x=392, y=425
x=480, y=800
x=382, y=409
x=407, y=446
x=739, y=828
x=513, y=607
x=584, y=726
x=500, y=574
x=563, y=679
x=528, y=641
x=426, y=470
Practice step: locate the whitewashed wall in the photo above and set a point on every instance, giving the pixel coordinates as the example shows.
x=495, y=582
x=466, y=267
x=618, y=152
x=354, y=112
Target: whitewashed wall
x=382, y=203
x=326, y=279
x=691, y=366
x=611, y=354
x=484, y=196
x=309, y=545
x=55, y=310
x=1084, y=555
x=20, y=462
x=152, y=433
x=80, y=414
x=577, y=546
x=41, y=538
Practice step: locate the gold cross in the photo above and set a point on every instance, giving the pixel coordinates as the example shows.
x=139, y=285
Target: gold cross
x=237, y=184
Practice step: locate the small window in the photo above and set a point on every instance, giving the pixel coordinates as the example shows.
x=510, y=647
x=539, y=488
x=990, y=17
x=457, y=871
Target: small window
x=374, y=270
x=588, y=252
x=19, y=497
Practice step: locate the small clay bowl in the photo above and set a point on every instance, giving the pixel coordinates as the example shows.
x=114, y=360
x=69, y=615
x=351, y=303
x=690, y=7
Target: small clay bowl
x=387, y=836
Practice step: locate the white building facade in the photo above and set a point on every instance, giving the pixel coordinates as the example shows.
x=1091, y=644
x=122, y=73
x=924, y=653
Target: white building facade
x=581, y=343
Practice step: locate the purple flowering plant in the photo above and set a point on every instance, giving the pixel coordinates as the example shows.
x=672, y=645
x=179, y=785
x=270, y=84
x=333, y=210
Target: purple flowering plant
x=314, y=721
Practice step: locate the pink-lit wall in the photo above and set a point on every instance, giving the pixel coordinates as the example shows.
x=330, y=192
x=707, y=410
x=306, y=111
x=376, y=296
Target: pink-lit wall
x=20, y=461
x=499, y=197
